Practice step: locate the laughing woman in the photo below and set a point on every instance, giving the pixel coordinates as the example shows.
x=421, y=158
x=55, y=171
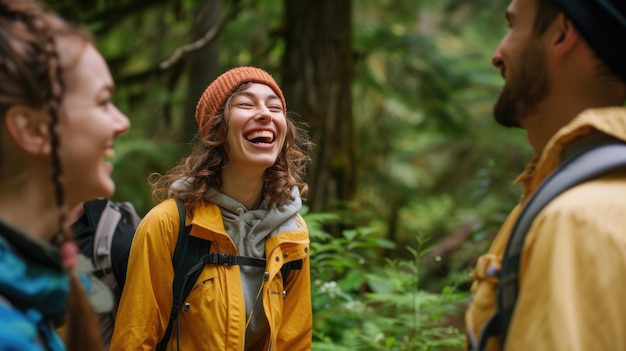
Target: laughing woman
x=58, y=123
x=242, y=187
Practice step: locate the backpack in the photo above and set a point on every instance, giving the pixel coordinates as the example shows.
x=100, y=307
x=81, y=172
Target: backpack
x=103, y=237
x=190, y=256
x=112, y=214
x=588, y=162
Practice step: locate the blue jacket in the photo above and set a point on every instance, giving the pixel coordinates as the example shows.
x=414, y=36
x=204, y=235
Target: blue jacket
x=33, y=292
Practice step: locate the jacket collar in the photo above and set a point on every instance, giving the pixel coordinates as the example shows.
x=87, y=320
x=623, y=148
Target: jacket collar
x=608, y=121
x=211, y=221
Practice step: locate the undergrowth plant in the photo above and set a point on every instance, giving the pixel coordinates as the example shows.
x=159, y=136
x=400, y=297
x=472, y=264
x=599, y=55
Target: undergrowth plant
x=365, y=302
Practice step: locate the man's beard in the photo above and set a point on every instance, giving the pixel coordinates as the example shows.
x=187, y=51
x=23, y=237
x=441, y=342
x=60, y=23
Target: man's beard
x=526, y=87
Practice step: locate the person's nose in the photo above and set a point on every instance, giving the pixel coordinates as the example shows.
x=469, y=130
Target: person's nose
x=496, y=59
x=264, y=115
x=122, y=123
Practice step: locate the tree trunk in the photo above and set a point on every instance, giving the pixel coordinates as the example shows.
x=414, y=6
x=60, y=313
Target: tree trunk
x=317, y=77
x=202, y=64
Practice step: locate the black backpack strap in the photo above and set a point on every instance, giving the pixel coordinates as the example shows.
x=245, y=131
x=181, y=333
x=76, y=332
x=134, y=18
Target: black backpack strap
x=585, y=165
x=226, y=259
x=187, y=265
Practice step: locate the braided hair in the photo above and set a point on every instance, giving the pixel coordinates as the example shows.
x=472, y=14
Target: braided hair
x=31, y=72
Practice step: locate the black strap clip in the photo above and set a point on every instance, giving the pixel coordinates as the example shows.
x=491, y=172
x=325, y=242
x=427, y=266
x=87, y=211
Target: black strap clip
x=223, y=259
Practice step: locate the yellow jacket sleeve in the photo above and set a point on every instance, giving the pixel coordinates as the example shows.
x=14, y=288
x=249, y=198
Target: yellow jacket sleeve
x=144, y=307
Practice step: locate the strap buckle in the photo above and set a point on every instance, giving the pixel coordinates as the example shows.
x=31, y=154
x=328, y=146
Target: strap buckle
x=226, y=259
x=223, y=259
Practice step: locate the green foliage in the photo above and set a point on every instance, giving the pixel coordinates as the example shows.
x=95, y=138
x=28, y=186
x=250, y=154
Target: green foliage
x=430, y=157
x=134, y=161
x=359, y=304
x=433, y=161
x=433, y=164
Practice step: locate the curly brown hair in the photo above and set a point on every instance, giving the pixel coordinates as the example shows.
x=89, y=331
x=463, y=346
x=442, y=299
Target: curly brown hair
x=201, y=170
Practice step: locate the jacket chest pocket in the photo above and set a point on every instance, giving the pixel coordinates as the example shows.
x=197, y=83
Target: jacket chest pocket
x=205, y=295
x=206, y=282
x=203, y=319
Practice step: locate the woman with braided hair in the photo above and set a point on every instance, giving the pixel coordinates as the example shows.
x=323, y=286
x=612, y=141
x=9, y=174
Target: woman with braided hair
x=58, y=124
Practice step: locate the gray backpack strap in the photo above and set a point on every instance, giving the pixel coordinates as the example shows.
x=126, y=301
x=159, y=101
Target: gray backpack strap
x=102, y=243
x=584, y=165
x=129, y=213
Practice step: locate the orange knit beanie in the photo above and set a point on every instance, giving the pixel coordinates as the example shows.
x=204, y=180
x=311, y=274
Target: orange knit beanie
x=216, y=94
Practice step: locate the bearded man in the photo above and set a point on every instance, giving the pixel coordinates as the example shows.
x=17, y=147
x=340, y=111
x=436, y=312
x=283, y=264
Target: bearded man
x=563, y=62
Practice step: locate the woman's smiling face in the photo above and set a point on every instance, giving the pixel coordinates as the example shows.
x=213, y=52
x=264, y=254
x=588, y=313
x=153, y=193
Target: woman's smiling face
x=89, y=124
x=256, y=128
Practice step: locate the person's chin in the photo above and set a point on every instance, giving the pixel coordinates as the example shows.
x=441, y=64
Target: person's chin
x=506, y=120
x=264, y=162
x=106, y=188
x=504, y=114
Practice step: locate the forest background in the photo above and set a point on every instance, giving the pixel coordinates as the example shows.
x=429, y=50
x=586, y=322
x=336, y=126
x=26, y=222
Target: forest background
x=411, y=176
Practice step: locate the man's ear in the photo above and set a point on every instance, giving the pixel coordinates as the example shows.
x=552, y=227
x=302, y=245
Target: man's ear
x=565, y=37
x=29, y=129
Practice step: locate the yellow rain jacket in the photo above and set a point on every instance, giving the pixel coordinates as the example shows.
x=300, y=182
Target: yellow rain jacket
x=216, y=317
x=572, y=293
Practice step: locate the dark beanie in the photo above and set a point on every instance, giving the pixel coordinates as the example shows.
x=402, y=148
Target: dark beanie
x=603, y=24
